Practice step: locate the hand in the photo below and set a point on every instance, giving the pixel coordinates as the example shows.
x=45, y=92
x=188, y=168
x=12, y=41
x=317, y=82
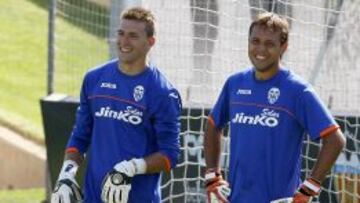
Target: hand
x=307, y=190
x=117, y=183
x=66, y=189
x=217, y=188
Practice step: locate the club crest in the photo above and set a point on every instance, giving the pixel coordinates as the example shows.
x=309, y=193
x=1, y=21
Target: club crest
x=138, y=92
x=273, y=95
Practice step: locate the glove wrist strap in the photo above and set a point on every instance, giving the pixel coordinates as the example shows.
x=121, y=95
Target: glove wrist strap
x=68, y=169
x=140, y=166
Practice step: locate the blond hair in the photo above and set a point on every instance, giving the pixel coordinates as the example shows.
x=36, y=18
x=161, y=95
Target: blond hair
x=142, y=15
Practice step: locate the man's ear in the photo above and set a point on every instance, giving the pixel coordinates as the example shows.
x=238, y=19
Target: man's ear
x=284, y=48
x=151, y=41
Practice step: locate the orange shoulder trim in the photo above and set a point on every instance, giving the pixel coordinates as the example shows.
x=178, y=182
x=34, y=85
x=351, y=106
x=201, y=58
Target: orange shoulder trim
x=211, y=121
x=329, y=130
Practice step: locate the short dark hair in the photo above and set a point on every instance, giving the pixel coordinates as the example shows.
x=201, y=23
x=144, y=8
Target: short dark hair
x=272, y=21
x=143, y=15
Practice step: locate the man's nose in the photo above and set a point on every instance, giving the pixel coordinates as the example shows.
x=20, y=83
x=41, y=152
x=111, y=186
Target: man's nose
x=123, y=40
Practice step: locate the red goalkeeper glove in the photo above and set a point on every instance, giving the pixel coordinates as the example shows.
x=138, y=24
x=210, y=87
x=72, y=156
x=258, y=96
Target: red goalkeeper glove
x=307, y=190
x=217, y=188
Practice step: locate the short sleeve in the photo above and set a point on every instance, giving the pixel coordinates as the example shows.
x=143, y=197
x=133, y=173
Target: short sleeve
x=313, y=114
x=220, y=112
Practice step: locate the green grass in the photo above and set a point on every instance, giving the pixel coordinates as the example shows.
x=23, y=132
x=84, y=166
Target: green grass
x=36, y=195
x=23, y=31
x=23, y=61
x=76, y=52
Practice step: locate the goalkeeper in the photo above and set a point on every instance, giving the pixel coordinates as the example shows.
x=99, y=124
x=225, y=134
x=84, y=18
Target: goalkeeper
x=270, y=110
x=127, y=124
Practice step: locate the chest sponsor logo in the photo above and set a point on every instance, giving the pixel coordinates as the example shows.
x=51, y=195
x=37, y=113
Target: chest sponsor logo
x=267, y=117
x=273, y=95
x=138, y=92
x=108, y=85
x=243, y=92
x=129, y=115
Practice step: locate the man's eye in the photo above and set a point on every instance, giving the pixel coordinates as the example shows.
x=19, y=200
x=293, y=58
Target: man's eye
x=270, y=44
x=255, y=41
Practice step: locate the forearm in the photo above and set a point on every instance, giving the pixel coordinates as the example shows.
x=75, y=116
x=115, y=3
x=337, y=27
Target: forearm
x=75, y=156
x=70, y=165
x=156, y=163
x=330, y=150
x=212, y=147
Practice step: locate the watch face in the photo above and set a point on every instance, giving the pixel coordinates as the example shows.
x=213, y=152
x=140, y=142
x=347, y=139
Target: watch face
x=117, y=179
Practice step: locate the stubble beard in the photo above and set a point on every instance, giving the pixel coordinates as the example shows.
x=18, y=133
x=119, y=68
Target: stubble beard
x=264, y=69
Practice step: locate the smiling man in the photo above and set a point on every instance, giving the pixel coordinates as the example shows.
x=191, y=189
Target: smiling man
x=128, y=124
x=269, y=110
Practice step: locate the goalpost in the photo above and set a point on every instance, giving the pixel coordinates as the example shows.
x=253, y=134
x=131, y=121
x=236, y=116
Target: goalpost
x=200, y=43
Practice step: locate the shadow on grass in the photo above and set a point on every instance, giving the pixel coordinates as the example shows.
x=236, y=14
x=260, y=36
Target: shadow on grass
x=41, y=3
x=86, y=15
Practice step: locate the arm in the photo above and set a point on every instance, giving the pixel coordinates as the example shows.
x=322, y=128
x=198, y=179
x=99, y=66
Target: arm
x=166, y=115
x=333, y=143
x=156, y=163
x=319, y=123
x=166, y=123
x=126, y=170
x=74, y=156
x=216, y=187
x=153, y=163
x=212, y=146
x=67, y=189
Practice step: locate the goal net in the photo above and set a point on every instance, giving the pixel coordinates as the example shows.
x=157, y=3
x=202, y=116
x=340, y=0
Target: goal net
x=200, y=43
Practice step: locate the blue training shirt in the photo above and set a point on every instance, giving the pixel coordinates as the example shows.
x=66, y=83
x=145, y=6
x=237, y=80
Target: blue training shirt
x=268, y=120
x=121, y=117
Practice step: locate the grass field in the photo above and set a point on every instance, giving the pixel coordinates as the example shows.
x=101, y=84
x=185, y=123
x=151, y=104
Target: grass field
x=23, y=64
x=36, y=195
x=23, y=31
x=23, y=70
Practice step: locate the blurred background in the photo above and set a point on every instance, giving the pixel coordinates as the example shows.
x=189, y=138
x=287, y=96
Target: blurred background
x=48, y=45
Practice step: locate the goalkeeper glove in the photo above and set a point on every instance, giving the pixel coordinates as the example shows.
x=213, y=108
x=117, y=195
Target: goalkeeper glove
x=217, y=188
x=283, y=200
x=66, y=189
x=307, y=190
x=117, y=183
